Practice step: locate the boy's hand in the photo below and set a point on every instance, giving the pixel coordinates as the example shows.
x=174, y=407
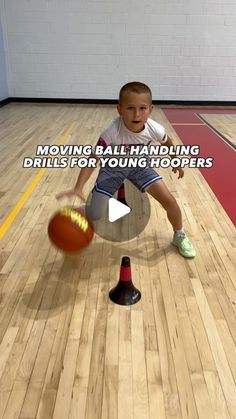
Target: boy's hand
x=71, y=193
x=179, y=170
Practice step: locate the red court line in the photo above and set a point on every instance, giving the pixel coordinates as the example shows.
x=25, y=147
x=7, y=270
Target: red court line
x=221, y=177
x=190, y=115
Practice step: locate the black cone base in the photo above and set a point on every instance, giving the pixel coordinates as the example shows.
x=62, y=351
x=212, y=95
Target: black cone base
x=123, y=201
x=125, y=293
x=121, y=195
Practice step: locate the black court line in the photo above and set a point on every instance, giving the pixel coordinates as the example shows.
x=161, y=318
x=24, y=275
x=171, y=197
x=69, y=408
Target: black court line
x=224, y=138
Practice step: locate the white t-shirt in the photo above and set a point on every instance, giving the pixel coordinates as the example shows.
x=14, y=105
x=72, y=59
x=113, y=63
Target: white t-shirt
x=117, y=134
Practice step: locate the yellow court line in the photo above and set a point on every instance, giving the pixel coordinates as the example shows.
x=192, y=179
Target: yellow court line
x=19, y=205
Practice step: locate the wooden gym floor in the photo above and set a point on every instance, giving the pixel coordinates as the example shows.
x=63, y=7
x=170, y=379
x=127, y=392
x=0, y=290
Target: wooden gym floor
x=66, y=350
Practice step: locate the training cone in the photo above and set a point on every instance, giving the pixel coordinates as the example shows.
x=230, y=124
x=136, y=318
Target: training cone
x=125, y=292
x=121, y=195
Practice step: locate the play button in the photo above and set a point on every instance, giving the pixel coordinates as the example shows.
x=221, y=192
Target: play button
x=116, y=210
x=120, y=223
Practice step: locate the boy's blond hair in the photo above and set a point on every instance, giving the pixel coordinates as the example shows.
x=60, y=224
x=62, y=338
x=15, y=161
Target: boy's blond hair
x=136, y=87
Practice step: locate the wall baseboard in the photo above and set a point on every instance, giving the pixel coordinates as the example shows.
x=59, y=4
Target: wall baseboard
x=4, y=102
x=114, y=101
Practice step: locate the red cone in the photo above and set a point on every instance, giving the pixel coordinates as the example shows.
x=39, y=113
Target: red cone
x=125, y=292
x=121, y=195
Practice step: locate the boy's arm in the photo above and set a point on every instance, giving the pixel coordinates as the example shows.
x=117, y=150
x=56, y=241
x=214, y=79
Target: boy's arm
x=169, y=143
x=83, y=177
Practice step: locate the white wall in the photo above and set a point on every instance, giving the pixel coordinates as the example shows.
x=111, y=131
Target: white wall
x=184, y=49
x=3, y=75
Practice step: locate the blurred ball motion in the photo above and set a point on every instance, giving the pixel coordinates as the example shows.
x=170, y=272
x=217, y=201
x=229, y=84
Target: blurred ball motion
x=70, y=230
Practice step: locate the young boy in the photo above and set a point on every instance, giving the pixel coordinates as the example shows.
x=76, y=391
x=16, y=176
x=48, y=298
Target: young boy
x=134, y=127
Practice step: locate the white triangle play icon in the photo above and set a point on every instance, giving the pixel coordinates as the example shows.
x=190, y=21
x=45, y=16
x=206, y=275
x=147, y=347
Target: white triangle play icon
x=116, y=210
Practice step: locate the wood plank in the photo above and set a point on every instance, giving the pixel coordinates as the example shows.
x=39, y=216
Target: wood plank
x=66, y=349
x=225, y=374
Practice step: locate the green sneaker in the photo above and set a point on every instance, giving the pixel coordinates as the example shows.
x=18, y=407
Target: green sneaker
x=186, y=248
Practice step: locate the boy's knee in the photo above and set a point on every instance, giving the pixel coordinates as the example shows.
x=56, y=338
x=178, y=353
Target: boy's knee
x=95, y=213
x=96, y=209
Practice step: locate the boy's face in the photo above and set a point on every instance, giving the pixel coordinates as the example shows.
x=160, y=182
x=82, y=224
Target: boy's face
x=135, y=109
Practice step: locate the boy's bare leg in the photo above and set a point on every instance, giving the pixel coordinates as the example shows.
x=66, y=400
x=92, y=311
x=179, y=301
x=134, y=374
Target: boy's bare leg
x=160, y=192
x=98, y=205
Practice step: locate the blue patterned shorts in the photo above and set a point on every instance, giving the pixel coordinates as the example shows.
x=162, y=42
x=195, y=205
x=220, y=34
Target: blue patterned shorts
x=109, y=180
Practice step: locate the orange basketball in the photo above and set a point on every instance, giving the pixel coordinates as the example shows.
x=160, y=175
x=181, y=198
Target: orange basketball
x=70, y=230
